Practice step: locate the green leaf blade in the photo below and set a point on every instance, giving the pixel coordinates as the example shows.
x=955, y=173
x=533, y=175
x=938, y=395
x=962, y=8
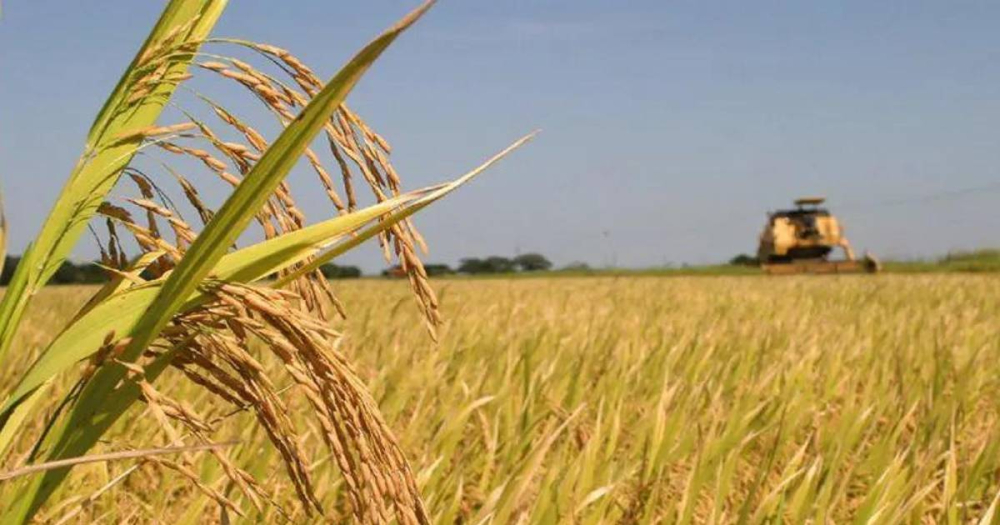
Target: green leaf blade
x=99, y=168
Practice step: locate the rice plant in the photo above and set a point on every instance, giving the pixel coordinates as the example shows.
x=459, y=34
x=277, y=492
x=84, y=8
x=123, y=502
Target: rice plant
x=618, y=400
x=189, y=294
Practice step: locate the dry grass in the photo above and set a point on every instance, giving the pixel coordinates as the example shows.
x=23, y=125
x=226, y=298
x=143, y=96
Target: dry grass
x=633, y=400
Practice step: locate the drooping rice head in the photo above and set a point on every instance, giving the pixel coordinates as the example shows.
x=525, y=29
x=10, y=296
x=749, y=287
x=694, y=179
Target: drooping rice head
x=146, y=233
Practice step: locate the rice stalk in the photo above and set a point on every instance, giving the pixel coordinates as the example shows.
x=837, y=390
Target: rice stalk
x=110, y=456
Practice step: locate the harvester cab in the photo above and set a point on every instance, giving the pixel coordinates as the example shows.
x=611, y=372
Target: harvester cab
x=800, y=240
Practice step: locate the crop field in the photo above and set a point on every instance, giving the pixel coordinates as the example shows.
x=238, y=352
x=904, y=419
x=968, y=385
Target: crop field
x=608, y=400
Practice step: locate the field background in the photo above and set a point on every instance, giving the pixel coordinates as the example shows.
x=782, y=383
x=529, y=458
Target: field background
x=626, y=399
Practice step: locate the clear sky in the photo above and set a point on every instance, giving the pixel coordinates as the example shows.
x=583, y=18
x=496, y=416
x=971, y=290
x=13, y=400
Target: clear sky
x=670, y=127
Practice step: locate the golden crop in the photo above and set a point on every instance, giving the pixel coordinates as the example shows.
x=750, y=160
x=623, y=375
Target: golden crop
x=629, y=400
x=216, y=377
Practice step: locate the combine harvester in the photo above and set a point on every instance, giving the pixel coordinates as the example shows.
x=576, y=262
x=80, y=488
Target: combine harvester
x=801, y=240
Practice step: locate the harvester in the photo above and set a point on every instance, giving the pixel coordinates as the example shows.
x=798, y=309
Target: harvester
x=801, y=240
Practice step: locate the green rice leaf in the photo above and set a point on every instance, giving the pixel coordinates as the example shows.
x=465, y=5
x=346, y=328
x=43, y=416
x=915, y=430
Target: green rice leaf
x=181, y=27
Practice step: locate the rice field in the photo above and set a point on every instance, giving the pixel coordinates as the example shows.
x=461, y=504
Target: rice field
x=607, y=400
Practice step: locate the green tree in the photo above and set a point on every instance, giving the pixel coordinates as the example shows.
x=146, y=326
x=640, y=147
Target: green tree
x=472, y=266
x=744, y=260
x=333, y=271
x=532, y=262
x=435, y=270
x=497, y=264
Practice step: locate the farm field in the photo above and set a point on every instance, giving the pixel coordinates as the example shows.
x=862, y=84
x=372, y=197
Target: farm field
x=871, y=399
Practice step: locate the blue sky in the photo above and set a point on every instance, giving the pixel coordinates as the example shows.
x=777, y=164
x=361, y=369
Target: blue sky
x=670, y=128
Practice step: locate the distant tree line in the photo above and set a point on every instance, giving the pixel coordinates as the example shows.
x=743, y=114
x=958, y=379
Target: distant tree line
x=68, y=273
x=494, y=264
x=528, y=262
x=333, y=271
x=744, y=260
x=432, y=269
x=91, y=273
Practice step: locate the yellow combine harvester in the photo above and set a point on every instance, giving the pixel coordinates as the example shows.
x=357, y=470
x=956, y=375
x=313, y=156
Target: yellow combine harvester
x=801, y=240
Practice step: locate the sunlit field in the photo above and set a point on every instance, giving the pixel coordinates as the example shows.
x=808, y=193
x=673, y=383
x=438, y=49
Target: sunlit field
x=622, y=400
